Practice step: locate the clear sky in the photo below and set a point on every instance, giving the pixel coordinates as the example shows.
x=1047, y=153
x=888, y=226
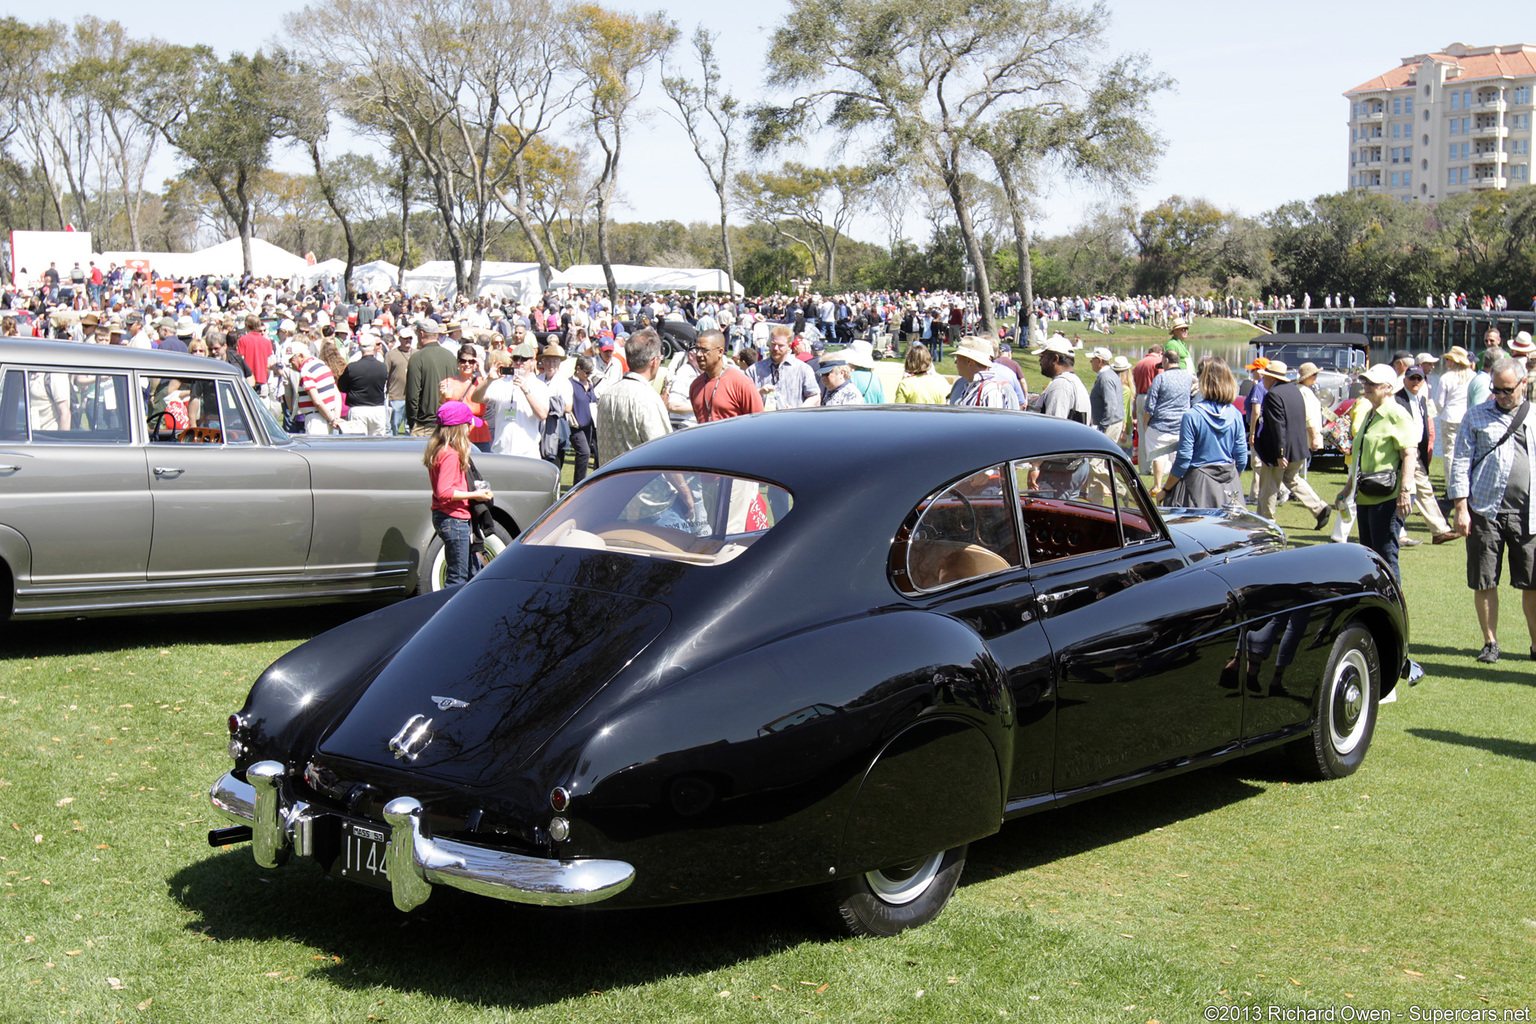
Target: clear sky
x=1256, y=117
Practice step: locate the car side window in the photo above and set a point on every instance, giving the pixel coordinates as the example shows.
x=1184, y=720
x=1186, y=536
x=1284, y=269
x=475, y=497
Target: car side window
x=237, y=429
x=1067, y=506
x=13, y=407
x=1136, y=522
x=1077, y=505
x=90, y=408
x=962, y=532
x=185, y=411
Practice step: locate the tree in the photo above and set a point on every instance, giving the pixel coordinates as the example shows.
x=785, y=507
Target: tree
x=712, y=142
x=1095, y=258
x=1178, y=238
x=820, y=201
x=611, y=51
x=104, y=67
x=303, y=104
x=1102, y=137
x=464, y=86
x=1355, y=242
x=931, y=80
x=221, y=116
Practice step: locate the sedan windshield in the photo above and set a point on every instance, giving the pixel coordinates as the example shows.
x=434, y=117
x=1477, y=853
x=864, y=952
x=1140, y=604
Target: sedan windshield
x=679, y=514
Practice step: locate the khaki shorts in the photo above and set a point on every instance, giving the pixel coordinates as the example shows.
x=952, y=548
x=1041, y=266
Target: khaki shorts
x=1485, y=552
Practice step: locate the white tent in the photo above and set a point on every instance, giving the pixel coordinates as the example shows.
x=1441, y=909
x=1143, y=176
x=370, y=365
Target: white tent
x=516, y=281
x=377, y=276
x=647, y=279
x=267, y=260
x=322, y=271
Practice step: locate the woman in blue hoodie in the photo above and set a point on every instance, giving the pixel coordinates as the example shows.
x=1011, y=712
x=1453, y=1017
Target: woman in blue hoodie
x=1213, y=444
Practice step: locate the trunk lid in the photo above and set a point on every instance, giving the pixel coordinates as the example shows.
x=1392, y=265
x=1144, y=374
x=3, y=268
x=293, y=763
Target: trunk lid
x=494, y=674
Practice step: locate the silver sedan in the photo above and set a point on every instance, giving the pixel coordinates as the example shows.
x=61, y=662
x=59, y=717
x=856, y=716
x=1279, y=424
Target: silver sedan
x=141, y=481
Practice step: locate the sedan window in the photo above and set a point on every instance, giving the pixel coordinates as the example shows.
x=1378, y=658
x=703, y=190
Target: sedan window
x=1076, y=505
x=186, y=411
x=89, y=408
x=960, y=533
x=681, y=515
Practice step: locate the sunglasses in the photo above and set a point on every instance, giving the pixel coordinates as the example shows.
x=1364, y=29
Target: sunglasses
x=468, y=362
x=1506, y=391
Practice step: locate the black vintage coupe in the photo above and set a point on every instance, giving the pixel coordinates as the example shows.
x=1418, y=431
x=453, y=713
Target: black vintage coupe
x=823, y=649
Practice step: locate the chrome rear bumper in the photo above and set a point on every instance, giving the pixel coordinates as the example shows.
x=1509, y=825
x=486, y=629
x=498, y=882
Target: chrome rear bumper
x=414, y=862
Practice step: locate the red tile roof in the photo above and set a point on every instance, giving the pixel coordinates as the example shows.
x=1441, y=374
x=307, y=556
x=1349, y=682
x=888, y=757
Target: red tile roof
x=1520, y=64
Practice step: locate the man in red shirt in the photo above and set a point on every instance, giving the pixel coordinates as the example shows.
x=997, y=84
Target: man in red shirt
x=1142, y=373
x=256, y=350
x=720, y=391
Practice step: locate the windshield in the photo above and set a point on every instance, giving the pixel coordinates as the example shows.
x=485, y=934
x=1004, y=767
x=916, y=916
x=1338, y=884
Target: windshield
x=1326, y=357
x=275, y=431
x=681, y=515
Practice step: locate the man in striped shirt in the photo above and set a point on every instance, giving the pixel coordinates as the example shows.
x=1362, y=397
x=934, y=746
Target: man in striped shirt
x=317, y=400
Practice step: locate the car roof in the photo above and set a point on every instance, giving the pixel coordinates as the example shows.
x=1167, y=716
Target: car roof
x=108, y=357
x=1346, y=340
x=902, y=451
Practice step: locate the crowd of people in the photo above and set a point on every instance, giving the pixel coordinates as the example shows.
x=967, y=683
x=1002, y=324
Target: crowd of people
x=580, y=373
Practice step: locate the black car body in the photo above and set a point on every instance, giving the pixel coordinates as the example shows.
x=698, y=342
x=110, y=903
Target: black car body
x=904, y=626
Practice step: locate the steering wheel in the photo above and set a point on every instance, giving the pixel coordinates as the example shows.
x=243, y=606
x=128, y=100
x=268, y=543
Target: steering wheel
x=975, y=530
x=161, y=422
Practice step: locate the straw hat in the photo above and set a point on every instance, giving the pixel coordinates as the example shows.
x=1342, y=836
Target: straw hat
x=1277, y=370
x=1457, y=356
x=976, y=352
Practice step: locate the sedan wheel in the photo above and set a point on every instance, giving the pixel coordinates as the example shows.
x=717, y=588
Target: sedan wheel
x=892, y=899
x=436, y=576
x=1346, y=709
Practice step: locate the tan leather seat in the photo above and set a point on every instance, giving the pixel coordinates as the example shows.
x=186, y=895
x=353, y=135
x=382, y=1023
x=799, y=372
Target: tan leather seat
x=934, y=563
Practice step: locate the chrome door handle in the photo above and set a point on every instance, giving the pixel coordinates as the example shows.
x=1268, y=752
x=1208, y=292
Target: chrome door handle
x=1049, y=600
x=168, y=471
x=10, y=469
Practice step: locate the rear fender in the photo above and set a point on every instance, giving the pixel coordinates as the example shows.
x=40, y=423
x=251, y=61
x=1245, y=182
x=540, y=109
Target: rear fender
x=934, y=787
x=300, y=692
x=745, y=772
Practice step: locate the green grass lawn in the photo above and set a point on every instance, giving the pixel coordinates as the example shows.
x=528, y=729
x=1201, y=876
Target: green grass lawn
x=1409, y=884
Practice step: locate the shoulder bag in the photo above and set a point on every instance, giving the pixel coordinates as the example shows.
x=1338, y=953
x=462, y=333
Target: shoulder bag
x=1383, y=482
x=1380, y=484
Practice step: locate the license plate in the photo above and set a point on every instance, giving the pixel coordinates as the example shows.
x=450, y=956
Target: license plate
x=362, y=854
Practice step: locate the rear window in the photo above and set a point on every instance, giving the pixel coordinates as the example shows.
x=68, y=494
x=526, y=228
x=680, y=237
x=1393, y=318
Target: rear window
x=680, y=515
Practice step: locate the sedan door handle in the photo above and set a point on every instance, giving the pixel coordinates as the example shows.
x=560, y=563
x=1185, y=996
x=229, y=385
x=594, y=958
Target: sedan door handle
x=1049, y=600
x=168, y=471
x=10, y=469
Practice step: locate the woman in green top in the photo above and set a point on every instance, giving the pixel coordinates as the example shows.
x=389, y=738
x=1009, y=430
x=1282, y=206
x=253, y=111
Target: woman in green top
x=922, y=385
x=1383, y=441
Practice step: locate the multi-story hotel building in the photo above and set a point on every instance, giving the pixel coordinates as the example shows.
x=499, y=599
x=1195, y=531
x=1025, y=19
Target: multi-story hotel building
x=1445, y=123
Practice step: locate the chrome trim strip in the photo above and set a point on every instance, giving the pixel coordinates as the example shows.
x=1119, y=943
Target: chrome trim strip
x=417, y=864
x=182, y=582
x=200, y=599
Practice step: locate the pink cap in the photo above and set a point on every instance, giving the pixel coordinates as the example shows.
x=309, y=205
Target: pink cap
x=451, y=414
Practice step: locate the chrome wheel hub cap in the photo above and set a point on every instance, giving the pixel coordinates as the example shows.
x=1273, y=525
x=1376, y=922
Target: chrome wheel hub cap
x=904, y=883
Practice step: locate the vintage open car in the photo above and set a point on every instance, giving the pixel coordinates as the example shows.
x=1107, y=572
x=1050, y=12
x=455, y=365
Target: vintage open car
x=822, y=649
